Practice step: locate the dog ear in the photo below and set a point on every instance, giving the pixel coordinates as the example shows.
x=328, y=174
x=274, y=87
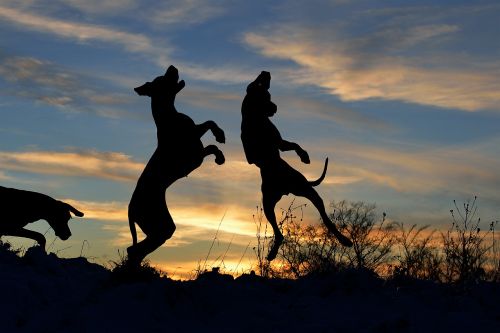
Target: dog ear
x=145, y=90
x=180, y=85
x=72, y=209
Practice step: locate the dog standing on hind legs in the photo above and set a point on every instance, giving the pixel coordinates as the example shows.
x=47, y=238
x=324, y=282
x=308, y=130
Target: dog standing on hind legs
x=262, y=143
x=179, y=152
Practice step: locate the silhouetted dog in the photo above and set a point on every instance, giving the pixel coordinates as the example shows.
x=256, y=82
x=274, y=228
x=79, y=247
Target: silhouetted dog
x=262, y=143
x=179, y=152
x=18, y=208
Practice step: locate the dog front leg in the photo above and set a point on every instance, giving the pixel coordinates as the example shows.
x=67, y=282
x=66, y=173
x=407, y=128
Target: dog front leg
x=218, y=133
x=212, y=126
x=202, y=128
x=38, y=237
x=213, y=150
x=287, y=145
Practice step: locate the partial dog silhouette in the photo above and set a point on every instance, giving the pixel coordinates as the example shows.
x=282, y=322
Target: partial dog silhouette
x=262, y=143
x=179, y=152
x=20, y=208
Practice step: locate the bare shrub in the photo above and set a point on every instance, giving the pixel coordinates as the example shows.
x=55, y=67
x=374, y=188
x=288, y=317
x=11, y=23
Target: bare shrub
x=462, y=254
x=309, y=249
x=372, y=238
x=494, y=254
x=123, y=272
x=464, y=248
x=417, y=257
x=306, y=248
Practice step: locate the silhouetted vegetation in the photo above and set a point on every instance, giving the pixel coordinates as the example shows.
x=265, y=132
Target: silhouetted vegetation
x=464, y=247
x=123, y=271
x=372, y=236
x=463, y=254
x=417, y=254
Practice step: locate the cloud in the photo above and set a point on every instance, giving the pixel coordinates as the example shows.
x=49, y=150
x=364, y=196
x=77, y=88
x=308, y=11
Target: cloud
x=185, y=12
x=206, y=98
x=88, y=163
x=157, y=14
x=106, y=211
x=211, y=184
x=294, y=106
x=156, y=51
x=4, y=176
x=227, y=74
x=375, y=66
x=306, y=107
x=102, y=7
x=79, y=31
x=56, y=86
x=461, y=170
x=195, y=221
x=183, y=205
x=82, y=32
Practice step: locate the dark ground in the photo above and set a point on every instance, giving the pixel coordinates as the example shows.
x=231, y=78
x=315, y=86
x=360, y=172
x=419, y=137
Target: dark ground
x=44, y=293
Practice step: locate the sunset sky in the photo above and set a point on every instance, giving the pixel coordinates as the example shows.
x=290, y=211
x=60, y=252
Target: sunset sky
x=402, y=96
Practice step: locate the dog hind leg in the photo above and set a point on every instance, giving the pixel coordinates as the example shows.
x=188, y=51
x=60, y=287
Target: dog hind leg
x=269, y=201
x=316, y=200
x=154, y=239
x=212, y=149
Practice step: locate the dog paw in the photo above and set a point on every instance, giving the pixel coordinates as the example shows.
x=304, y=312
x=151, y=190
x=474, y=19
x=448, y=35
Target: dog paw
x=271, y=255
x=220, y=159
x=219, y=135
x=343, y=240
x=304, y=156
x=273, y=252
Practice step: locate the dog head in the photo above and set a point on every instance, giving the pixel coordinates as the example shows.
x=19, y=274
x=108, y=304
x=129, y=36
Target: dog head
x=259, y=97
x=59, y=216
x=162, y=87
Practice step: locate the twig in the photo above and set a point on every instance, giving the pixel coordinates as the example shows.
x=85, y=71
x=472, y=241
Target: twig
x=83, y=243
x=213, y=240
x=245, y=252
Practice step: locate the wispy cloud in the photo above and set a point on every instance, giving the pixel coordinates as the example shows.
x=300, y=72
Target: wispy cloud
x=157, y=14
x=303, y=107
x=156, y=51
x=113, y=166
x=83, y=32
x=79, y=31
x=372, y=66
x=102, y=7
x=425, y=170
x=226, y=74
x=115, y=211
x=56, y=86
x=206, y=98
x=185, y=12
x=4, y=176
x=195, y=221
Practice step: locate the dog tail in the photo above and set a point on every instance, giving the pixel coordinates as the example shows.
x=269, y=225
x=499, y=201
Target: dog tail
x=320, y=179
x=133, y=230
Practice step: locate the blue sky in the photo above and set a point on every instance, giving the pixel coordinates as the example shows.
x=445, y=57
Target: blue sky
x=402, y=96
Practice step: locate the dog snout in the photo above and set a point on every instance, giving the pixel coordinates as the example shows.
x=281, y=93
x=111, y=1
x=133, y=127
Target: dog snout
x=64, y=234
x=65, y=237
